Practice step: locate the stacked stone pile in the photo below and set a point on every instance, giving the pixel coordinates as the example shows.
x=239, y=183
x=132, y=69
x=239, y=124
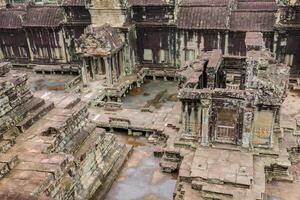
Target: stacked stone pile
x=4, y=68
x=16, y=100
x=52, y=149
x=65, y=125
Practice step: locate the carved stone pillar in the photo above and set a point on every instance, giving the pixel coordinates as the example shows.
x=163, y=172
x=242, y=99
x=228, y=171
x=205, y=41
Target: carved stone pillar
x=247, y=127
x=205, y=122
x=181, y=119
x=93, y=68
x=192, y=127
x=187, y=121
x=219, y=40
x=107, y=64
x=199, y=120
x=84, y=72
x=226, y=43
x=275, y=44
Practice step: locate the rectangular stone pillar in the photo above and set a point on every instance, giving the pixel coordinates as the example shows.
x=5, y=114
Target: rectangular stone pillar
x=205, y=122
x=187, y=118
x=181, y=119
x=199, y=120
x=247, y=127
x=219, y=40
x=84, y=72
x=93, y=68
x=108, y=69
x=275, y=44
x=29, y=47
x=192, y=121
x=226, y=50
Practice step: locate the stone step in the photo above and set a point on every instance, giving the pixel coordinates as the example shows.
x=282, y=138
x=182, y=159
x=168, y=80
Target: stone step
x=7, y=163
x=5, y=145
x=34, y=116
x=30, y=106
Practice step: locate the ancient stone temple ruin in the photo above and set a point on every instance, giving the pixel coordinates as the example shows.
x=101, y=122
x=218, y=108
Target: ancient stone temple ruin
x=149, y=99
x=240, y=109
x=102, y=51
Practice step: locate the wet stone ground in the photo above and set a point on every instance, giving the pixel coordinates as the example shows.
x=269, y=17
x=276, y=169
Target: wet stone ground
x=154, y=93
x=140, y=178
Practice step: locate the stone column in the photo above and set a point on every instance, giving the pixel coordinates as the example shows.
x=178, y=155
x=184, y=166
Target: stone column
x=84, y=72
x=219, y=40
x=247, y=127
x=29, y=47
x=108, y=70
x=64, y=53
x=93, y=70
x=226, y=43
x=187, y=118
x=205, y=122
x=121, y=57
x=192, y=120
x=114, y=66
x=275, y=44
x=181, y=120
x=98, y=61
x=199, y=119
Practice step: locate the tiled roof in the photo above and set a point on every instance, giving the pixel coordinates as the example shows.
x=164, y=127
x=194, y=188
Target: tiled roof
x=11, y=19
x=252, y=21
x=147, y=2
x=257, y=5
x=202, y=17
x=73, y=2
x=218, y=3
x=44, y=16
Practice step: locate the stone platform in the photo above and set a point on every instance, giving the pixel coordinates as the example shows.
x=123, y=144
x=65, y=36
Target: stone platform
x=221, y=174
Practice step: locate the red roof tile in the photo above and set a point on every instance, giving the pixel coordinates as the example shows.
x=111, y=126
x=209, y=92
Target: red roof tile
x=259, y=5
x=44, y=16
x=202, y=17
x=73, y=2
x=11, y=19
x=218, y=3
x=148, y=2
x=252, y=21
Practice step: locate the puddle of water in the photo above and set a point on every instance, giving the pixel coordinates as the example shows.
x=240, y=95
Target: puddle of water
x=150, y=92
x=43, y=84
x=273, y=198
x=140, y=178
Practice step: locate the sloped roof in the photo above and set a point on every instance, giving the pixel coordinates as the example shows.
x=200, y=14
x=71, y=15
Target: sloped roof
x=11, y=19
x=202, y=17
x=218, y=3
x=257, y=5
x=99, y=41
x=256, y=21
x=73, y=2
x=148, y=2
x=44, y=16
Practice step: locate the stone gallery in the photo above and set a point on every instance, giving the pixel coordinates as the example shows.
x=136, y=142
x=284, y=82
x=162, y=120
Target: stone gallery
x=149, y=99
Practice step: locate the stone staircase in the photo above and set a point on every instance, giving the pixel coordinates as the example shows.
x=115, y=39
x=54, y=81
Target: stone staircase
x=34, y=115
